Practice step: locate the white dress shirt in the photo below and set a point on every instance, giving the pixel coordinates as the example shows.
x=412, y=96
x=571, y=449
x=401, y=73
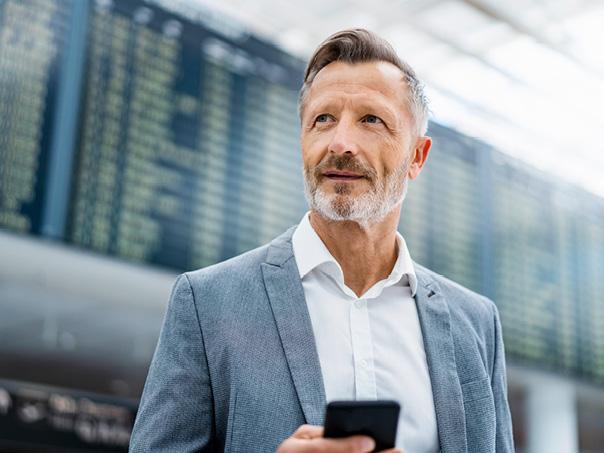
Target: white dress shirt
x=370, y=347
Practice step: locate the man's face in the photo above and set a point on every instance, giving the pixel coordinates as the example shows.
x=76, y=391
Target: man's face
x=358, y=141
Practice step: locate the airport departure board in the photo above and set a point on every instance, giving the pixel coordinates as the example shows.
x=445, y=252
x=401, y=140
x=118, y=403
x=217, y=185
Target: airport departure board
x=189, y=140
x=170, y=138
x=533, y=245
x=32, y=36
x=440, y=203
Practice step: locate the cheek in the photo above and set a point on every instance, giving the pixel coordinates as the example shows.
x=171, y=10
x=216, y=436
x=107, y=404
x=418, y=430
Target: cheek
x=313, y=149
x=394, y=159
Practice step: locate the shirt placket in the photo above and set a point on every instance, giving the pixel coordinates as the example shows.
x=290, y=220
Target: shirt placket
x=362, y=349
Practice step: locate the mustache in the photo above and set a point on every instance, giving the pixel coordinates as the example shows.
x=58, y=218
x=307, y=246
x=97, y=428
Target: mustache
x=344, y=163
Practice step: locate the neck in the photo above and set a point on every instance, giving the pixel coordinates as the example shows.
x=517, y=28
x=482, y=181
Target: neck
x=365, y=254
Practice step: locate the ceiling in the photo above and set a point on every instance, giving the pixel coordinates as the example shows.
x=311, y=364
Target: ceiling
x=524, y=75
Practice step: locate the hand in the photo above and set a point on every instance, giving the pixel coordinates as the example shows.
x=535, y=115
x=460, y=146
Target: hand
x=309, y=439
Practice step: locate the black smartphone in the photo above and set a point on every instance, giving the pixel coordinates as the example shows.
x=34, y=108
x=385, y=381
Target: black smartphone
x=376, y=419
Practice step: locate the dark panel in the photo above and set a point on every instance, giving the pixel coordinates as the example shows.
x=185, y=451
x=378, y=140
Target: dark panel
x=32, y=40
x=189, y=148
x=531, y=243
x=36, y=418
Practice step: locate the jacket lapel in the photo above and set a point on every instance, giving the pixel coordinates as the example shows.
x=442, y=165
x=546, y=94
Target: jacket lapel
x=286, y=296
x=435, y=323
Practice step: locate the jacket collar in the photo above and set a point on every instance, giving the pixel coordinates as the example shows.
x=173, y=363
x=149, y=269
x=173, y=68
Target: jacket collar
x=435, y=322
x=286, y=296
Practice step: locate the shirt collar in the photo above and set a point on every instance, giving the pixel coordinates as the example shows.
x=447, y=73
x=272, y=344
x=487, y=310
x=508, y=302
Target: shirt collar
x=310, y=253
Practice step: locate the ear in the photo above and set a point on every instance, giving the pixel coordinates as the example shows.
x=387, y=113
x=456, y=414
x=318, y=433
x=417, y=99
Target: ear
x=420, y=154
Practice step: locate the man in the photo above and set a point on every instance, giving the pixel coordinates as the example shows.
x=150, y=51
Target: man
x=252, y=349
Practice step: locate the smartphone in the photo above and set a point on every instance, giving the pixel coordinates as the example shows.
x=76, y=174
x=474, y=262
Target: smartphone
x=376, y=419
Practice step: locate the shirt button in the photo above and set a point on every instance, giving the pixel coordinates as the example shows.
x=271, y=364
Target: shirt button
x=364, y=363
x=358, y=304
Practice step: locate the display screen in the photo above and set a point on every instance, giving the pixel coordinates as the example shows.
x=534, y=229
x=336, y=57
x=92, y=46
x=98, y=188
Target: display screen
x=532, y=244
x=443, y=215
x=189, y=149
x=32, y=37
x=185, y=152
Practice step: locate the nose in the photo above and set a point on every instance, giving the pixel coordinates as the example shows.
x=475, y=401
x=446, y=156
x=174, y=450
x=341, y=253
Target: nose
x=343, y=140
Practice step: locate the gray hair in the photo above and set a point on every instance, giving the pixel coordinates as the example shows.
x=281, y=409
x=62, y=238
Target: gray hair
x=358, y=46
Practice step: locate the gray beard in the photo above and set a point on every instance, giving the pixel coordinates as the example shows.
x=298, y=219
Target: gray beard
x=366, y=209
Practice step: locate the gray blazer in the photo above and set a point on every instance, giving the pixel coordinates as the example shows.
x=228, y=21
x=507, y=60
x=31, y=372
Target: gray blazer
x=236, y=368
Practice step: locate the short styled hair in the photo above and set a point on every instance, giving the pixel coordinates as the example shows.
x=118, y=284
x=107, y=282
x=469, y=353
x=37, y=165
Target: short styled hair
x=357, y=45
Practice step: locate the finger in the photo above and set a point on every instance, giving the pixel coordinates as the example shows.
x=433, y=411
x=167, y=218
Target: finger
x=392, y=450
x=308, y=432
x=352, y=444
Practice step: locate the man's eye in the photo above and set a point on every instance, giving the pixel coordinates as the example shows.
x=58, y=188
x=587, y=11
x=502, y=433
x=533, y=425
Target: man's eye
x=323, y=118
x=372, y=119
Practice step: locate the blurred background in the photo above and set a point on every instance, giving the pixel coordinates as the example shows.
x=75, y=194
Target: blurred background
x=143, y=138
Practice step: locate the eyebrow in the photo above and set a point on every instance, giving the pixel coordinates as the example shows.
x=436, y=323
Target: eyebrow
x=334, y=102
x=322, y=105
x=382, y=111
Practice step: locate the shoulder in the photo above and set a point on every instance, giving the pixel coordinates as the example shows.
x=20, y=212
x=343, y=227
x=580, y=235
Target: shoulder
x=244, y=269
x=241, y=270
x=464, y=305
x=474, y=324
x=223, y=291
x=237, y=283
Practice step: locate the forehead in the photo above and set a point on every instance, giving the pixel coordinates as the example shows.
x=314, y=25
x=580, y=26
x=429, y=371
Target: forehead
x=379, y=81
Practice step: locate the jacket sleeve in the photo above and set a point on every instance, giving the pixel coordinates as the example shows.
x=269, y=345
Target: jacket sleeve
x=504, y=437
x=175, y=412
